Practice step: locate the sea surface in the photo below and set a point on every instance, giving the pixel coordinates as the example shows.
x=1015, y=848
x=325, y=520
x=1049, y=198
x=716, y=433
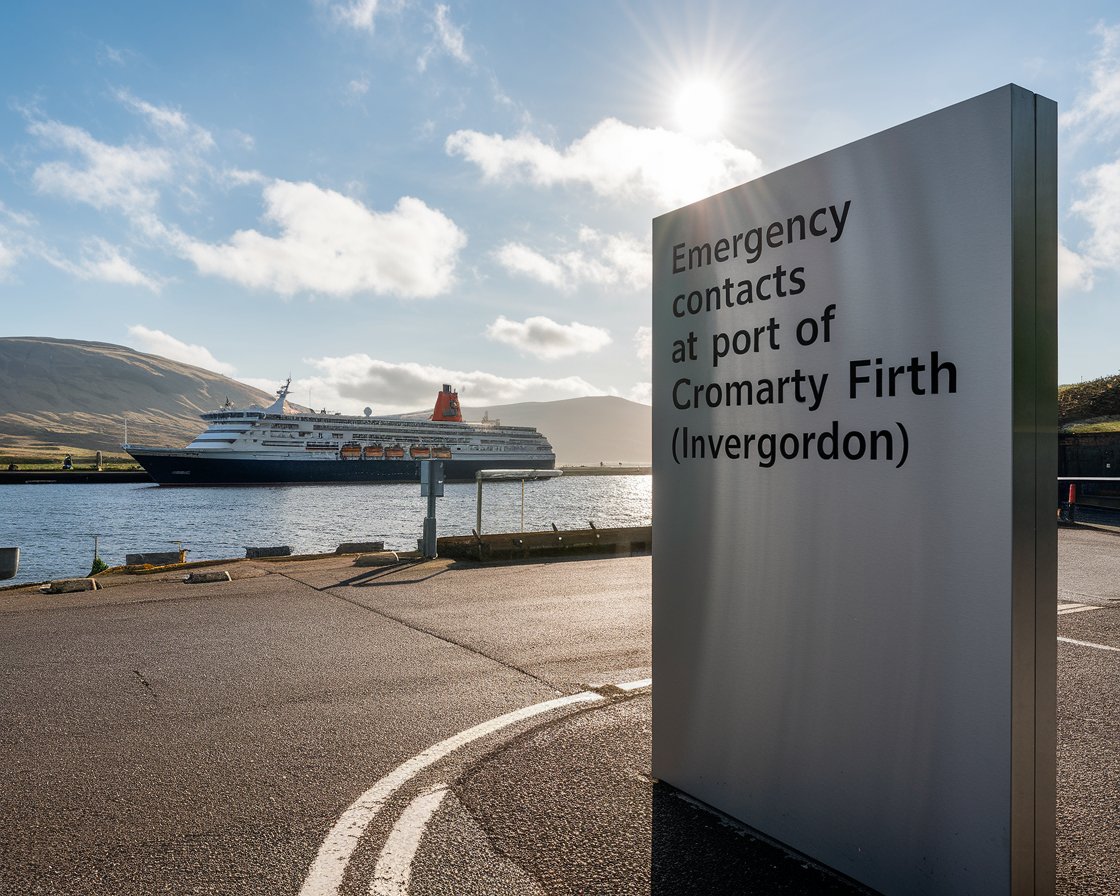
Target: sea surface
x=53, y=525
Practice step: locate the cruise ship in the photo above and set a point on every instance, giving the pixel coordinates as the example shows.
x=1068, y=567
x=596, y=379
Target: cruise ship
x=278, y=446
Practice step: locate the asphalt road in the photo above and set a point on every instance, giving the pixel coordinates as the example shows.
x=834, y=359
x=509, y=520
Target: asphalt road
x=162, y=737
x=314, y=727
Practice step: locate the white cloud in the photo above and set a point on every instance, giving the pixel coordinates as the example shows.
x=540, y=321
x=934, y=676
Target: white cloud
x=642, y=393
x=1100, y=208
x=120, y=177
x=331, y=244
x=1096, y=112
x=545, y=338
x=127, y=177
x=111, y=55
x=449, y=39
x=357, y=14
x=521, y=259
x=608, y=260
x=103, y=262
x=615, y=160
x=1075, y=271
x=350, y=383
x=450, y=36
x=240, y=177
x=13, y=227
x=170, y=123
x=8, y=257
x=357, y=88
x=156, y=342
x=643, y=341
x=18, y=219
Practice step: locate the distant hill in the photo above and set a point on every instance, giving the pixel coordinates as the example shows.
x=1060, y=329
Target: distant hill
x=64, y=395
x=583, y=431
x=1093, y=406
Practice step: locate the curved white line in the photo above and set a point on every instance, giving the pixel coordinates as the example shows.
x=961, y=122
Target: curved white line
x=325, y=874
x=394, y=867
x=393, y=872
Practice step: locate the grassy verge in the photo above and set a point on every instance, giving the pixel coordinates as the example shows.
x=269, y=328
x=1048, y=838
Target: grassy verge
x=30, y=459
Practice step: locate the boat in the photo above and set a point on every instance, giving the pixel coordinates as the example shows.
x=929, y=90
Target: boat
x=280, y=445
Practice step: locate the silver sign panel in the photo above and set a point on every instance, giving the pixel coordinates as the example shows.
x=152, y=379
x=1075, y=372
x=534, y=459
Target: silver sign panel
x=854, y=458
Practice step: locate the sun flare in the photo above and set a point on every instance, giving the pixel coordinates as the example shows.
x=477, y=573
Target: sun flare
x=700, y=107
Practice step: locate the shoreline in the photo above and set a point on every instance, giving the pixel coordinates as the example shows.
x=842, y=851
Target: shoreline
x=105, y=477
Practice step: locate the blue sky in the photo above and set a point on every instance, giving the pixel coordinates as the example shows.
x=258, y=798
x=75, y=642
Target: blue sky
x=378, y=197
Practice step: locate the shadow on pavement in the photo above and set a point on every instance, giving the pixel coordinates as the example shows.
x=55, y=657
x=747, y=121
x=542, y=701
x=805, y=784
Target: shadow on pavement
x=696, y=851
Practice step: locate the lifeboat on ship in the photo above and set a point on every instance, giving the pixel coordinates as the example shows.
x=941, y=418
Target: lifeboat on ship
x=350, y=451
x=441, y=453
x=419, y=452
x=394, y=452
x=373, y=452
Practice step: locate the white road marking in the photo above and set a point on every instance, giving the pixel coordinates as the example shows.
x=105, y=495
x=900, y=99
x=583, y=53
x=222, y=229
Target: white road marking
x=1088, y=644
x=404, y=839
x=394, y=866
x=325, y=874
x=1075, y=608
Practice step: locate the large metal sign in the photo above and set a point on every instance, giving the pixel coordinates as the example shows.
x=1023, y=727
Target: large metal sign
x=854, y=425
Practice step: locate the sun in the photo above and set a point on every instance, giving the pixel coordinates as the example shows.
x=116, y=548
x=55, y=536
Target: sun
x=699, y=107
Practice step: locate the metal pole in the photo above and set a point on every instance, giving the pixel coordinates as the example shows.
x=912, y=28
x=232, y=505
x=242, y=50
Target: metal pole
x=478, y=509
x=431, y=484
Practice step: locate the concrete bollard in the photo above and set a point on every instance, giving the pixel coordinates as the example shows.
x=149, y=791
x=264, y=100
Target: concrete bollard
x=9, y=562
x=360, y=547
x=155, y=558
x=68, y=586
x=262, y=553
x=208, y=575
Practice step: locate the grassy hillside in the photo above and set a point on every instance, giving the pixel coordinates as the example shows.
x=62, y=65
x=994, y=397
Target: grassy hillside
x=66, y=396
x=1093, y=406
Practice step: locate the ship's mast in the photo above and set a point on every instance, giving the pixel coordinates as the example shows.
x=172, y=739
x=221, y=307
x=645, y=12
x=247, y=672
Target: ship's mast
x=281, y=395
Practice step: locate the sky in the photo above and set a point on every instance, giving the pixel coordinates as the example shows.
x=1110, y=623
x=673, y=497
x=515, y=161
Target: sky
x=375, y=197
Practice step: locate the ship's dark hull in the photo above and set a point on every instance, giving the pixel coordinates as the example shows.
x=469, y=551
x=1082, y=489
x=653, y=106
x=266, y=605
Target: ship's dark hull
x=181, y=469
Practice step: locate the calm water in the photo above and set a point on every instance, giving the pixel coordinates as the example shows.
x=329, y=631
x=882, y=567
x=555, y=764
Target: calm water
x=52, y=525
